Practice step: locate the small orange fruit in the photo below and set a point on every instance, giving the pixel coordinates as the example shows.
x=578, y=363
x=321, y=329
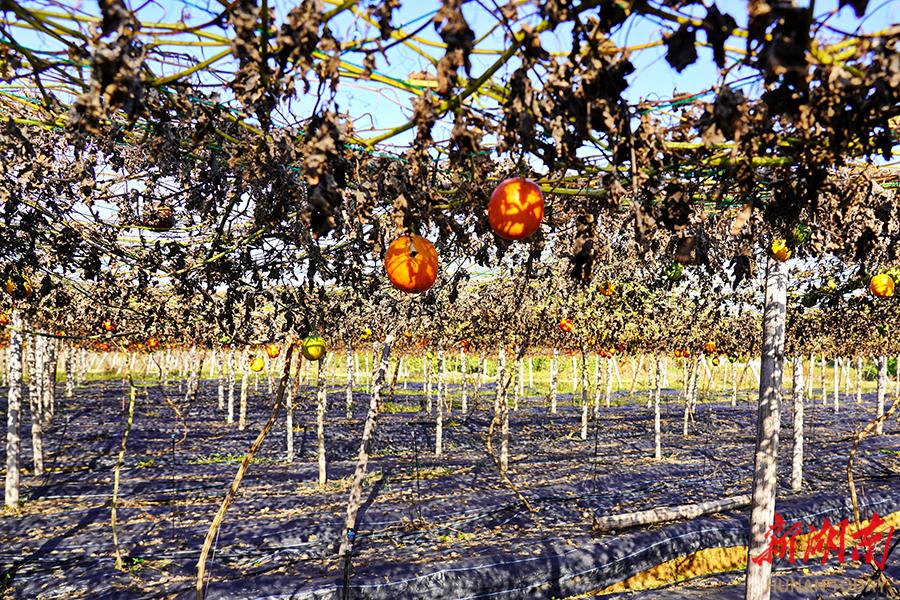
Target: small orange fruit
x=516, y=208
x=780, y=250
x=257, y=364
x=608, y=289
x=152, y=343
x=109, y=326
x=882, y=285
x=411, y=263
x=710, y=347
x=273, y=350
x=566, y=325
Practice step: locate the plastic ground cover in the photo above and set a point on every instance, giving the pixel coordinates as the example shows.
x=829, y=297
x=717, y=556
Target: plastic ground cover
x=430, y=527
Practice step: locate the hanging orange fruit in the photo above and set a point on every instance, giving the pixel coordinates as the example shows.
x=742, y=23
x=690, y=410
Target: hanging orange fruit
x=257, y=364
x=273, y=350
x=516, y=208
x=608, y=289
x=566, y=325
x=411, y=263
x=109, y=326
x=780, y=250
x=882, y=285
x=152, y=343
x=4, y=318
x=710, y=347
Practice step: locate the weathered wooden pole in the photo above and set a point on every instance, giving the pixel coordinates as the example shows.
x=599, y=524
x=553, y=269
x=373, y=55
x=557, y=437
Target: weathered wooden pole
x=762, y=515
x=797, y=457
x=14, y=411
x=362, y=461
x=553, y=381
x=882, y=391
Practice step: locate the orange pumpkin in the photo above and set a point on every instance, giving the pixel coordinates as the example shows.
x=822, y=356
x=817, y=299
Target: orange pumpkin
x=257, y=364
x=411, y=263
x=273, y=350
x=516, y=208
x=566, y=325
x=882, y=285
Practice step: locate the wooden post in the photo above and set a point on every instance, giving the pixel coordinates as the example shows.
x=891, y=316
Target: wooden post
x=426, y=365
x=609, y=381
x=34, y=401
x=14, y=411
x=553, y=358
x=520, y=382
x=439, y=413
x=70, y=372
x=657, y=426
x=837, y=383
x=768, y=422
x=321, y=400
x=882, y=391
x=824, y=380
x=504, y=411
x=797, y=458
x=463, y=366
x=584, y=396
x=230, y=417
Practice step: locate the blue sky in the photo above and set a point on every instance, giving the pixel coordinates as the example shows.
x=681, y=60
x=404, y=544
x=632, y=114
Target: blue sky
x=377, y=107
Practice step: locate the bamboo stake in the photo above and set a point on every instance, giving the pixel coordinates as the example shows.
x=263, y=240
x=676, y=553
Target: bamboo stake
x=120, y=563
x=239, y=476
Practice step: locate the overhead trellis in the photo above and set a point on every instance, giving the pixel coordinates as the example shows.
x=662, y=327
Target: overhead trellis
x=240, y=127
